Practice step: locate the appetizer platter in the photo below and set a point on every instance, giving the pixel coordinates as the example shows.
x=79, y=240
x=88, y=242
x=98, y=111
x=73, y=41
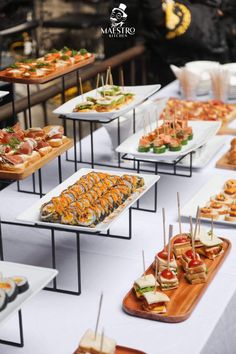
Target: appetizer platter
x=212, y=110
x=106, y=102
x=228, y=160
x=216, y=200
x=171, y=287
x=18, y=283
x=90, y=200
x=96, y=343
x=169, y=140
x=51, y=66
x=22, y=152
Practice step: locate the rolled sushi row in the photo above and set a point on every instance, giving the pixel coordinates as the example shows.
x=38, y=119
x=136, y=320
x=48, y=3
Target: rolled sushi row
x=94, y=206
x=56, y=207
x=10, y=288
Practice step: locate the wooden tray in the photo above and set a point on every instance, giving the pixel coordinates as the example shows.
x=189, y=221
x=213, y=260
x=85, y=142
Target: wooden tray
x=125, y=350
x=183, y=299
x=42, y=80
x=21, y=174
x=223, y=163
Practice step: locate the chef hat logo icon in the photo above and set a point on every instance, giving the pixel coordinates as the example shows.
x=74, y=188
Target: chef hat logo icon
x=118, y=16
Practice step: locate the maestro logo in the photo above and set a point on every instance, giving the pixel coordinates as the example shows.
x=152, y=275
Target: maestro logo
x=118, y=30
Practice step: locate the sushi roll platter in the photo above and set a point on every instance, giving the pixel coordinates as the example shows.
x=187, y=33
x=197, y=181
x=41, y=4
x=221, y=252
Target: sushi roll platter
x=10, y=288
x=15, y=289
x=89, y=200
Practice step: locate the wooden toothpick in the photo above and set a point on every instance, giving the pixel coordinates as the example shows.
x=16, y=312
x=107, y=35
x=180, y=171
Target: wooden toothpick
x=98, y=316
x=169, y=245
x=164, y=226
x=212, y=226
x=111, y=77
x=98, y=79
x=122, y=80
x=155, y=276
x=179, y=215
x=107, y=74
x=144, y=267
x=196, y=225
x=102, y=341
x=81, y=88
x=192, y=236
x=103, y=88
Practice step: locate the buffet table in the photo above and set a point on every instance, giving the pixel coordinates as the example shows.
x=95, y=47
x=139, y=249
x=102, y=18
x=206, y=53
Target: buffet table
x=111, y=266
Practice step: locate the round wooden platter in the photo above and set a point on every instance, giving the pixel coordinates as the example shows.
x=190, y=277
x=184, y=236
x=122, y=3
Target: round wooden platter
x=52, y=76
x=184, y=299
x=34, y=166
x=124, y=350
x=223, y=163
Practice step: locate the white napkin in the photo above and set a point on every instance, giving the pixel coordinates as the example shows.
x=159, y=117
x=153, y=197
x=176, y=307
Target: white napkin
x=188, y=81
x=220, y=83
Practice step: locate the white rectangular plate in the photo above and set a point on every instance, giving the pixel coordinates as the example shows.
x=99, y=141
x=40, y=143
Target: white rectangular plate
x=142, y=93
x=212, y=187
x=3, y=93
x=204, y=155
x=37, y=277
x=202, y=132
x=32, y=215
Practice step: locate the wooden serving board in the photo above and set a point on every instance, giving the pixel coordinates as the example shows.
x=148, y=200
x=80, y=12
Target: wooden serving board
x=125, y=350
x=52, y=76
x=33, y=167
x=184, y=299
x=223, y=163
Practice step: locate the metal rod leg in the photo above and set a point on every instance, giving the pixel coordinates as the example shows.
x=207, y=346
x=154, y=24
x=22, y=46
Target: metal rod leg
x=14, y=344
x=59, y=169
x=118, y=138
x=75, y=146
x=92, y=151
x=130, y=223
x=80, y=141
x=40, y=183
x=78, y=262
x=29, y=105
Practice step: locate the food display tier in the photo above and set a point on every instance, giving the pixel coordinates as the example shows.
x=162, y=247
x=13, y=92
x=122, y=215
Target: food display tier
x=34, y=166
x=37, y=277
x=58, y=73
x=184, y=299
x=32, y=215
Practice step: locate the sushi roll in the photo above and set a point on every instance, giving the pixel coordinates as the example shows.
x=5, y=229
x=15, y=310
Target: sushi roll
x=3, y=300
x=10, y=288
x=21, y=283
x=87, y=218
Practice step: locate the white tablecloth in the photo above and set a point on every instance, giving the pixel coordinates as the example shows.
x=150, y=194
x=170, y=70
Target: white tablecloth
x=54, y=323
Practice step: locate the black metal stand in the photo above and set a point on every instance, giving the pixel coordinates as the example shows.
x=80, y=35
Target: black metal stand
x=52, y=230
x=16, y=344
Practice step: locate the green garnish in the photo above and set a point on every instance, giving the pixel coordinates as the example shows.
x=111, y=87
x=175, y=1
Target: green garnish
x=13, y=143
x=9, y=130
x=74, y=52
x=83, y=51
x=65, y=49
x=54, y=50
x=41, y=65
x=65, y=57
x=27, y=60
x=32, y=70
x=14, y=66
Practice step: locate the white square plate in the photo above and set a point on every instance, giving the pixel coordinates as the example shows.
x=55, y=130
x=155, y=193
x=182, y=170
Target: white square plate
x=37, y=277
x=202, y=132
x=142, y=93
x=212, y=187
x=32, y=215
x=3, y=93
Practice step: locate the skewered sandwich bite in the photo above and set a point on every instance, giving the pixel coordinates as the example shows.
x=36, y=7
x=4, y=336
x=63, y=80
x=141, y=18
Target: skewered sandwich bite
x=196, y=273
x=144, y=284
x=162, y=261
x=181, y=244
x=155, y=301
x=168, y=280
x=92, y=343
x=212, y=246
